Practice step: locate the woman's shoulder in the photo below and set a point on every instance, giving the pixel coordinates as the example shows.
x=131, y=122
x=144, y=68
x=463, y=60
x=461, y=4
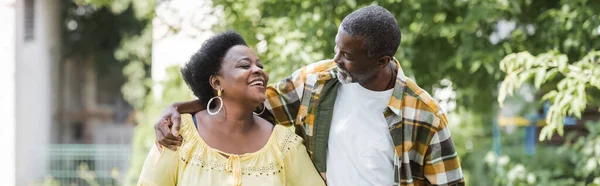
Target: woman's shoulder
x=187, y=125
x=286, y=138
x=192, y=142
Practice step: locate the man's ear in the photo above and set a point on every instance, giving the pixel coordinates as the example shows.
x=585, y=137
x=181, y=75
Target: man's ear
x=383, y=61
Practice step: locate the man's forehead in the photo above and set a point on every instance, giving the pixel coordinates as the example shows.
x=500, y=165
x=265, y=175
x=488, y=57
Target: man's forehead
x=347, y=41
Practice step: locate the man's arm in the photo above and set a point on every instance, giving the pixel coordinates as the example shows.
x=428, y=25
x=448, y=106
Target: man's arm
x=284, y=100
x=184, y=108
x=282, y=105
x=441, y=163
x=171, y=119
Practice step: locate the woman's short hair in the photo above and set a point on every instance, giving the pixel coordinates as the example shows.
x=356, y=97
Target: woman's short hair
x=207, y=62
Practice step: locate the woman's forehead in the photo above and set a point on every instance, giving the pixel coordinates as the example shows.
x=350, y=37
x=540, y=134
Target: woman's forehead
x=240, y=51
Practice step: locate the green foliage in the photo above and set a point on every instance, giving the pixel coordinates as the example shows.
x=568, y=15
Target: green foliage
x=472, y=142
x=117, y=35
x=569, y=98
x=441, y=39
x=574, y=163
x=136, y=50
x=568, y=76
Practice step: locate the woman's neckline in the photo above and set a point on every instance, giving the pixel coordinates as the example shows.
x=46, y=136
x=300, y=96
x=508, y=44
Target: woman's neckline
x=223, y=153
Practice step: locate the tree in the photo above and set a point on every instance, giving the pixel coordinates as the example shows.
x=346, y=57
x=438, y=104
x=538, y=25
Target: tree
x=578, y=87
x=115, y=35
x=570, y=87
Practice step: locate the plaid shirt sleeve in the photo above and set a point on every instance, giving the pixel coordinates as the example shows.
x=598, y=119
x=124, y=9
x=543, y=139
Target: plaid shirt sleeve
x=427, y=131
x=283, y=99
x=441, y=163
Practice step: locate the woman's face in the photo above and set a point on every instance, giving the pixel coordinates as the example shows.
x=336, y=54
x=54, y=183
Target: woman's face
x=242, y=78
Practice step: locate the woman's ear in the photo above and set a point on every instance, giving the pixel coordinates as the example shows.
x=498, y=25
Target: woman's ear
x=215, y=82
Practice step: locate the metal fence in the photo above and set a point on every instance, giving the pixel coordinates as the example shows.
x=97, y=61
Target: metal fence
x=89, y=164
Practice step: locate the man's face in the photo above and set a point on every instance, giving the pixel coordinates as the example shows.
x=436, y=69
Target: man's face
x=351, y=58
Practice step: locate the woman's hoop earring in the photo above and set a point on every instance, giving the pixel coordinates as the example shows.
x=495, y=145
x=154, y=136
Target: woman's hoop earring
x=220, y=104
x=263, y=110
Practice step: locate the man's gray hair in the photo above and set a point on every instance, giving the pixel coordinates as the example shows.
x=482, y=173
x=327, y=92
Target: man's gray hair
x=379, y=28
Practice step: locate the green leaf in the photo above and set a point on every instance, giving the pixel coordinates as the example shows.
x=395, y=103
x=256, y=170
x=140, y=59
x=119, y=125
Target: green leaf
x=550, y=95
x=351, y=3
x=560, y=130
x=475, y=66
x=563, y=64
x=119, y=6
x=524, y=76
x=550, y=74
x=545, y=133
x=502, y=93
x=539, y=77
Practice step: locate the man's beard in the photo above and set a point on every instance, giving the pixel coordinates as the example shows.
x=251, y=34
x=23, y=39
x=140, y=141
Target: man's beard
x=345, y=76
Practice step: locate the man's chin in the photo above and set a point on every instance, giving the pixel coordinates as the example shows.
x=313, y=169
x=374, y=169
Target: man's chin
x=344, y=78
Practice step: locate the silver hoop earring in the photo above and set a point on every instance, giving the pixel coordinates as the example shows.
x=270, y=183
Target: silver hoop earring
x=212, y=99
x=263, y=110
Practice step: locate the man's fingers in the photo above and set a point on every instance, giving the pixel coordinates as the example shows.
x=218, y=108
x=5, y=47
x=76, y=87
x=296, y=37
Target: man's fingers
x=171, y=137
x=160, y=138
x=163, y=127
x=176, y=121
x=173, y=148
x=169, y=142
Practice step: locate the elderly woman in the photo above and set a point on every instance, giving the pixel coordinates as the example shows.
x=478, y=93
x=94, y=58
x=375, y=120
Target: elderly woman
x=227, y=144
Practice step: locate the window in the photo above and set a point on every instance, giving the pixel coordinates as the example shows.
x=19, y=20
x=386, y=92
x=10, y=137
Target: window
x=29, y=9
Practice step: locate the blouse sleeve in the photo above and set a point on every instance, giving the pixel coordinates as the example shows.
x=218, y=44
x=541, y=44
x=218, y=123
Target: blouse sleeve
x=299, y=169
x=160, y=168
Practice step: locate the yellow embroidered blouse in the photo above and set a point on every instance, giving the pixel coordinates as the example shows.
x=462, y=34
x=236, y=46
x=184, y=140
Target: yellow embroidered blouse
x=282, y=161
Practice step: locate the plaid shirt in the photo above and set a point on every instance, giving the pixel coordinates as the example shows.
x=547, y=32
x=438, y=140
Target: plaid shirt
x=424, y=151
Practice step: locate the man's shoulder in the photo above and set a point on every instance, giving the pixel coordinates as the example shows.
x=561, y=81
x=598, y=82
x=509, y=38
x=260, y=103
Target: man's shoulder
x=420, y=100
x=320, y=71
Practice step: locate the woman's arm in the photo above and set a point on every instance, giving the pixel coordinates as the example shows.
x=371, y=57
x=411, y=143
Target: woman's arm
x=160, y=168
x=299, y=169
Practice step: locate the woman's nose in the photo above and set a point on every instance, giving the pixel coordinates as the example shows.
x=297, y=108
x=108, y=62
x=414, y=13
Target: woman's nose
x=257, y=70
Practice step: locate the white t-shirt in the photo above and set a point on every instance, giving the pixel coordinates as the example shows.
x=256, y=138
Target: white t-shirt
x=360, y=149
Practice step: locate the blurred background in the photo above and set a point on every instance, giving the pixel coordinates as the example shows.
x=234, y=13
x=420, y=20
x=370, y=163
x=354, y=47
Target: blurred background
x=84, y=80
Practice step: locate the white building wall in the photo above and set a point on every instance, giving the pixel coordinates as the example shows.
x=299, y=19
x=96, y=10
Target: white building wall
x=36, y=63
x=7, y=95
